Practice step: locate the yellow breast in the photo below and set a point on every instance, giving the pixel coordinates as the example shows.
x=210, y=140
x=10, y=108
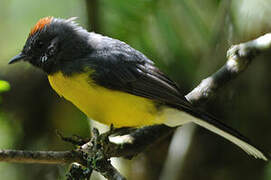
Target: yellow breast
x=104, y=105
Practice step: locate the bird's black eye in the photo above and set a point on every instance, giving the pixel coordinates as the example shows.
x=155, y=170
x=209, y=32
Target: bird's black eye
x=39, y=44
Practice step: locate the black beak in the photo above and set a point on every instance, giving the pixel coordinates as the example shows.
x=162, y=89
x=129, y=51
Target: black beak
x=17, y=58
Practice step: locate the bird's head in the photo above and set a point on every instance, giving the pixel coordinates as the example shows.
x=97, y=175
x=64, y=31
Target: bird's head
x=53, y=42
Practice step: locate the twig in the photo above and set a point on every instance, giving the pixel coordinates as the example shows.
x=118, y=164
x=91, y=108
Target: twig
x=96, y=153
x=239, y=57
x=108, y=171
x=39, y=157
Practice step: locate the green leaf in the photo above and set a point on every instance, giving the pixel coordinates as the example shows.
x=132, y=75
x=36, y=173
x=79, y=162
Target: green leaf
x=4, y=86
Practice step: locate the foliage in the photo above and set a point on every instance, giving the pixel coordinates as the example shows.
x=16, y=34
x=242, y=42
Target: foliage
x=4, y=86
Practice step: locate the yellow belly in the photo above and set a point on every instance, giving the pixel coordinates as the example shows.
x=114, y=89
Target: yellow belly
x=106, y=106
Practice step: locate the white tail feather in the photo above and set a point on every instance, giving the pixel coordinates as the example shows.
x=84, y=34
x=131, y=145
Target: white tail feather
x=177, y=118
x=242, y=144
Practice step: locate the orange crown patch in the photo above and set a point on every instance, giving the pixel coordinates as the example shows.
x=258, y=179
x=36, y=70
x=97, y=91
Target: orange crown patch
x=40, y=25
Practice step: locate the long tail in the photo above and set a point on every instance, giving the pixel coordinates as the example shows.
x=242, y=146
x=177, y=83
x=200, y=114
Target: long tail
x=209, y=122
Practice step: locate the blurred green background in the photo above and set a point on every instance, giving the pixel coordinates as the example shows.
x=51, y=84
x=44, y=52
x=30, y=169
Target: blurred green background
x=187, y=39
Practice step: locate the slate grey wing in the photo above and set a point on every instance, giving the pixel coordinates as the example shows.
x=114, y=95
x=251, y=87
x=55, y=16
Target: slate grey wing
x=138, y=77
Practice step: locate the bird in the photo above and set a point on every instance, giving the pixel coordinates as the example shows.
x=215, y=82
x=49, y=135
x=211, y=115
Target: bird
x=113, y=83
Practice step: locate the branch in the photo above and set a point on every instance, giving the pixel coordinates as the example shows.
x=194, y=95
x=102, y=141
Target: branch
x=239, y=57
x=128, y=142
x=40, y=157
